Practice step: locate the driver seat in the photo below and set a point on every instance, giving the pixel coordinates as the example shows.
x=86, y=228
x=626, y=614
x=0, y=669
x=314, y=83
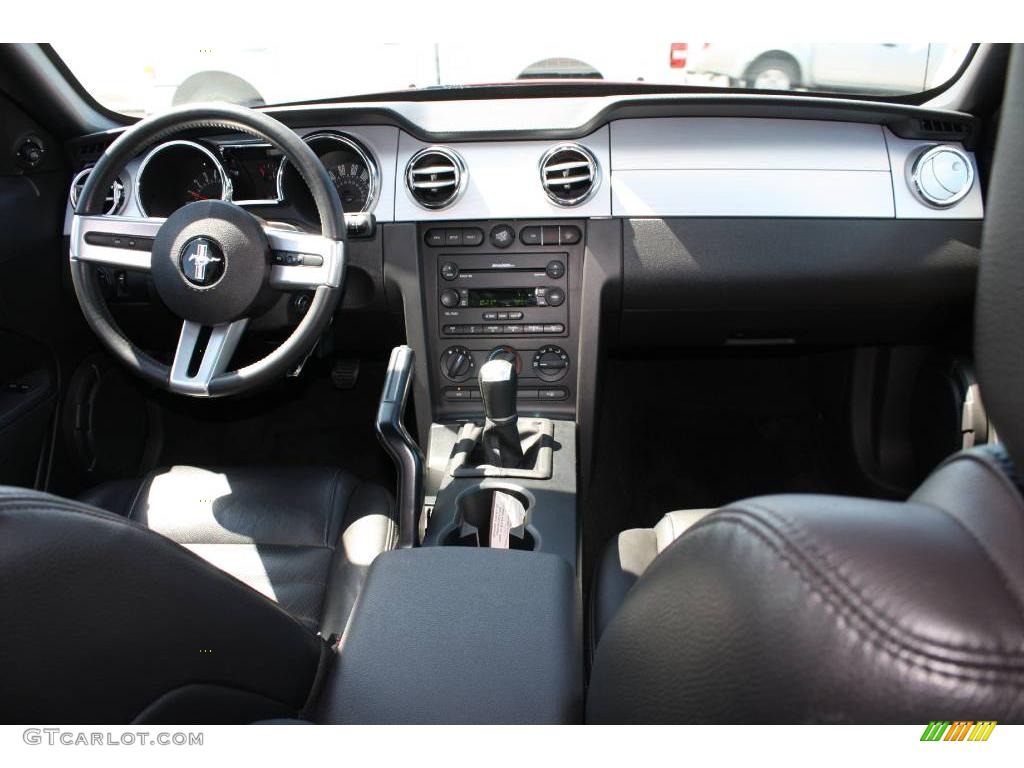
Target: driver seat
x=303, y=537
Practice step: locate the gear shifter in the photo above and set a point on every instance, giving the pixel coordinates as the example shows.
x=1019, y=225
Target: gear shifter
x=500, y=440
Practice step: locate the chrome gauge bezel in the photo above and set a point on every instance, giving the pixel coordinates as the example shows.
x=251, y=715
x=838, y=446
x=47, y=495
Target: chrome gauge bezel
x=225, y=180
x=366, y=156
x=120, y=189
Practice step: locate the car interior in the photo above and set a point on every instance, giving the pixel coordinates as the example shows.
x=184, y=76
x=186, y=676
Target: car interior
x=549, y=401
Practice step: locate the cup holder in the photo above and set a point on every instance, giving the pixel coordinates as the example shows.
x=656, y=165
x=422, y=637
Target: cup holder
x=473, y=523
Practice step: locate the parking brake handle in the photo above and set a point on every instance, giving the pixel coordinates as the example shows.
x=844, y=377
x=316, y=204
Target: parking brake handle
x=399, y=444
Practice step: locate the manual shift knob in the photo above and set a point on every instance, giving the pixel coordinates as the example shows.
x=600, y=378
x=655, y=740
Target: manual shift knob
x=498, y=390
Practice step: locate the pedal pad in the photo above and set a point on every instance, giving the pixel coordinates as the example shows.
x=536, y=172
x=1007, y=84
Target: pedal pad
x=345, y=373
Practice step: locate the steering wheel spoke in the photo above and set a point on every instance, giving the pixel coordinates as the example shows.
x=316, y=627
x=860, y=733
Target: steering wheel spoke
x=114, y=241
x=300, y=260
x=203, y=352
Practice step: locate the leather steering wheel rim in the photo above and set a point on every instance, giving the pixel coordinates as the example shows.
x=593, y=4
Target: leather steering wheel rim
x=326, y=281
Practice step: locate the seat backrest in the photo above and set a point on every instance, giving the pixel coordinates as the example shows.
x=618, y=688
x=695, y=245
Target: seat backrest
x=105, y=621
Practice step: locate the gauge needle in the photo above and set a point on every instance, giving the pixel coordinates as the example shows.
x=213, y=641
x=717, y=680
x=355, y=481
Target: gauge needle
x=197, y=196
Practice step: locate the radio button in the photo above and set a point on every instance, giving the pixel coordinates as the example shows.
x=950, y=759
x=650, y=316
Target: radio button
x=530, y=236
x=555, y=269
x=493, y=330
x=449, y=298
x=556, y=393
x=533, y=329
x=490, y=315
x=515, y=315
x=554, y=328
x=472, y=237
x=555, y=296
x=569, y=235
x=450, y=270
x=435, y=238
x=453, y=237
x=502, y=236
x=513, y=330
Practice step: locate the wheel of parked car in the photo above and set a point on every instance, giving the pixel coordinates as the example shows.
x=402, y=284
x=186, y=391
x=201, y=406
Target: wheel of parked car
x=213, y=263
x=773, y=73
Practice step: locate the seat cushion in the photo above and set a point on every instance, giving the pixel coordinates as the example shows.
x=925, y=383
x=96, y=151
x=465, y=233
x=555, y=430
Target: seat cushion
x=830, y=609
x=302, y=536
x=627, y=557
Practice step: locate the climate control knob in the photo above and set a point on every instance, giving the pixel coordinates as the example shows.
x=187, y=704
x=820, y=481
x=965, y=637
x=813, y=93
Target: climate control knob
x=457, y=363
x=551, y=363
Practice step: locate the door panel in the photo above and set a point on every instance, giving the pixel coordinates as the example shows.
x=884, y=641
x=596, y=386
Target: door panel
x=39, y=325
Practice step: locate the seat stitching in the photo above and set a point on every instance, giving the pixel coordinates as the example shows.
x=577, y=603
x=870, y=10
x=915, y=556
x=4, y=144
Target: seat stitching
x=870, y=612
x=808, y=540
x=834, y=599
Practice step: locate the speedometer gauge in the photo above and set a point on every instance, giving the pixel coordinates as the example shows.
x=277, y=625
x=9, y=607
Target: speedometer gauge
x=351, y=167
x=351, y=179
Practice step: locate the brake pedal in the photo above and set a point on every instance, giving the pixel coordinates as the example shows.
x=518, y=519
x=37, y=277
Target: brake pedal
x=345, y=373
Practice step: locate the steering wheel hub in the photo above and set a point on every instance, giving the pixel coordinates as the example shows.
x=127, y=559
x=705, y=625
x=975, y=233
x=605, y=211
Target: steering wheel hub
x=211, y=263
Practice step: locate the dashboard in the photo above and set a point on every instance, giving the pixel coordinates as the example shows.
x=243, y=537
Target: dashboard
x=539, y=230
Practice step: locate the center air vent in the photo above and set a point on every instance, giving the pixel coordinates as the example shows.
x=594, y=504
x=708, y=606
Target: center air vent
x=436, y=176
x=115, y=195
x=569, y=173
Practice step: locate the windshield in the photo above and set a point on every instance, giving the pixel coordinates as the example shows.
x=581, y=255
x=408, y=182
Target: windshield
x=151, y=78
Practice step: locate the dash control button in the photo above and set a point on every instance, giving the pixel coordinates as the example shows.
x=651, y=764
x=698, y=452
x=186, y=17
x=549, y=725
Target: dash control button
x=502, y=236
x=569, y=235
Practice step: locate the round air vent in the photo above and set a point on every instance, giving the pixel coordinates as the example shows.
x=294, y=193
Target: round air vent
x=436, y=176
x=115, y=195
x=569, y=173
x=942, y=176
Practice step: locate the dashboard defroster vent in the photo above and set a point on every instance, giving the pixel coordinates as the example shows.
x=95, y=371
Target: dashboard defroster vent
x=436, y=176
x=569, y=174
x=115, y=195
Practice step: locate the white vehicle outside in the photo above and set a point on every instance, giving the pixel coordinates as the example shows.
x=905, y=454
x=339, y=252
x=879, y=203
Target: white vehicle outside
x=882, y=68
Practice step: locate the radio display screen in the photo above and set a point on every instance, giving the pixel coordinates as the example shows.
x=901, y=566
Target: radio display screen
x=502, y=297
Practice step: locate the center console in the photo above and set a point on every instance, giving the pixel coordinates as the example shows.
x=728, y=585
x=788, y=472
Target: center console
x=477, y=617
x=503, y=289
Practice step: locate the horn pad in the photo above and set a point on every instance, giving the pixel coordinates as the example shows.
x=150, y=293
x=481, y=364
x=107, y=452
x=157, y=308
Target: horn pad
x=211, y=262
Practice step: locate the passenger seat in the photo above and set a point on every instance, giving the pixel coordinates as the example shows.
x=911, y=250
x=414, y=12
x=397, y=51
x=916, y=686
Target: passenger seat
x=627, y=556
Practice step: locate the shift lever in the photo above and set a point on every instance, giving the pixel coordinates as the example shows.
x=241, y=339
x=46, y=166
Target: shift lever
x=500, y=439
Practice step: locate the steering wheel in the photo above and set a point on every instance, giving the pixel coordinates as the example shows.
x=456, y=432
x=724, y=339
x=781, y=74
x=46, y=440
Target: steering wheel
x=213, y=264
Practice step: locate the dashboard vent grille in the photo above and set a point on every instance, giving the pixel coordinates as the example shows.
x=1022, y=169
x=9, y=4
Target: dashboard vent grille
x=115, y=195
x=569, y=174
x=436, y=176
x=930, y=125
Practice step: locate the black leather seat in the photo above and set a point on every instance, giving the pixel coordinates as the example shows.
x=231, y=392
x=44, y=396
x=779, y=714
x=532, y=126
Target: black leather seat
x=302, y=537
x=627, y=557
x=832, y=609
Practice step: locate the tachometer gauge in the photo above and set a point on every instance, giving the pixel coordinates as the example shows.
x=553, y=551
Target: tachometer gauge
x=206, y=186
x=352, y=180
x=177, y=173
